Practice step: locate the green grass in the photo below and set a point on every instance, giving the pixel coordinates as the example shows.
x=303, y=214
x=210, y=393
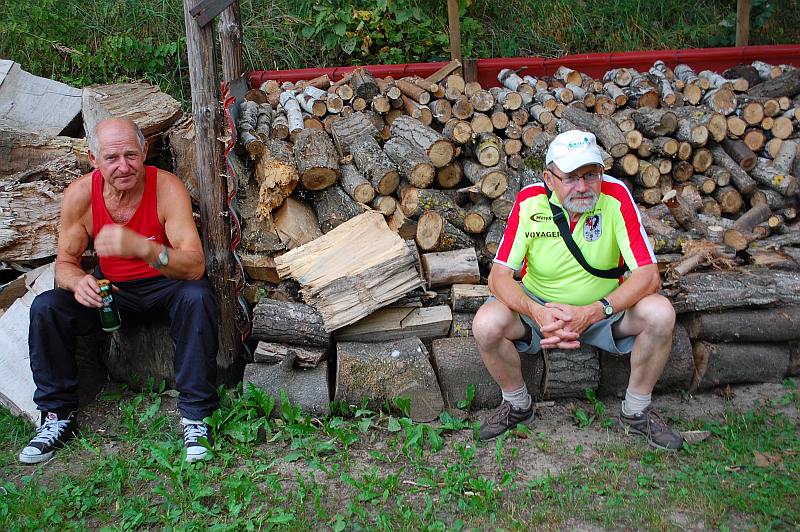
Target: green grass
x=104, y=41
x=375, y=471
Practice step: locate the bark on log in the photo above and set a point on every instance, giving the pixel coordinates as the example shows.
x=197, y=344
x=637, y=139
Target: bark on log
x=767, y=175
x=494, y=235
x=376, y=166
x=304, y=357
x=787, y=84
x=743, y=182
x=434, y=233
x=412, y=162
x=334, y=207
x=781, y=324
x=377, y=373
x=415, y=202
x=288, y=323
x=395, y=323
x=468, y=297
x=502, y=205
x=355, y=184
x=449, y=175
x=726, y=290
x=479, y=216
x=683, y=213
x=316, y=158
x=276, y=174
x=304, y=388
x=347, y=130
x=439, y=150
x=740, y=153
x=363, y=84
x=450, y=267
x=655, y=122
x=734, y=363
x=491, y=181
x=606, y=131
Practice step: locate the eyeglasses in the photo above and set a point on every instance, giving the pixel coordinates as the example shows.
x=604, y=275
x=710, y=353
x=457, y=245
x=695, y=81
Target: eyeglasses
x=588, y=178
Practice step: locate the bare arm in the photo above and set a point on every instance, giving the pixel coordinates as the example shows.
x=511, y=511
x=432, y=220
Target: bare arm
x=186, y=258
x=73, y=239
x=551, y=320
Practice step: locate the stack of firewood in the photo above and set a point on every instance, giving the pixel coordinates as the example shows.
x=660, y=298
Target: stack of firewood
x=710, y=158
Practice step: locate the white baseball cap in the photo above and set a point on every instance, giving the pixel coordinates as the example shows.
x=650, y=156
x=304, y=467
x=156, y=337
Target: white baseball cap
x=573, y=149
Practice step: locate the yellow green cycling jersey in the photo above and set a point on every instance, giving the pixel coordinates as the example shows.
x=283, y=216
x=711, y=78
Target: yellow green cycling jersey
x=609, y=234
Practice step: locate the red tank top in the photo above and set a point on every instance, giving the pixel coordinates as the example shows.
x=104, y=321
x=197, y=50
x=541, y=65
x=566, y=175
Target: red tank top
x=144, y=221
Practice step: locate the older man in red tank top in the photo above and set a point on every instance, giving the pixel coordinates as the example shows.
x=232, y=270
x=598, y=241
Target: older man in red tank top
x=140, y=218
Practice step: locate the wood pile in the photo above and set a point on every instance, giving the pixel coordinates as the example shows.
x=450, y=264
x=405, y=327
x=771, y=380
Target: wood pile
x=712, y=159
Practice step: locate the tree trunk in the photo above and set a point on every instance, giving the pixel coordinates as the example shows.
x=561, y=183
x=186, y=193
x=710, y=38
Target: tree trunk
x=380, y=373
x=734, y=363
x=288, y=323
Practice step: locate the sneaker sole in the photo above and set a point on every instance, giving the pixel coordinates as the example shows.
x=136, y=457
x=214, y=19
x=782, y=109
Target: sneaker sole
x=527, y=422
x=35, y=459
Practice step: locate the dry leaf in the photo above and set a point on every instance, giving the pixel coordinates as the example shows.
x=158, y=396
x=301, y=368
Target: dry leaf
x=695, y=436
x=766, y=460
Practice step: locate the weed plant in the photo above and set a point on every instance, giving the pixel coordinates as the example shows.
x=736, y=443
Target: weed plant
x=103, y=41
x=380, y=471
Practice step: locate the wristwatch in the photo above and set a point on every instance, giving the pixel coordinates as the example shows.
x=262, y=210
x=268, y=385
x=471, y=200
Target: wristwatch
x=162, y=259
x=608, y=310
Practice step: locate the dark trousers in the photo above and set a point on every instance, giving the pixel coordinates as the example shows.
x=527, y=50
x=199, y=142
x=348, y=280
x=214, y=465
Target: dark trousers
x=191, y=306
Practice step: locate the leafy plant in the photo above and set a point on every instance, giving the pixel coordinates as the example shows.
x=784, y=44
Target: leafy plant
x=466, y=404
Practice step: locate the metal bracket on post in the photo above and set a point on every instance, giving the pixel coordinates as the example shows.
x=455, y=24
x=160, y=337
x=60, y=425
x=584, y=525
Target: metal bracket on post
x=205, y=11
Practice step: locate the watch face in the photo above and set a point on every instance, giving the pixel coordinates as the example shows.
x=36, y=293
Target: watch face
x=608, y=310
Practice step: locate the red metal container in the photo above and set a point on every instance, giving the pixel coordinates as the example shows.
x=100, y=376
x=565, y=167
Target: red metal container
x=594, y=65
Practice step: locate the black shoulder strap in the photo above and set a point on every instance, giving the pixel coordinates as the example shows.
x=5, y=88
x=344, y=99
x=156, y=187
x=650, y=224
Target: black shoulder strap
x=563, y=228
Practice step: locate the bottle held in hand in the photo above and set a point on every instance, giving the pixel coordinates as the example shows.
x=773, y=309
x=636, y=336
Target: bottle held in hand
x=109, y=313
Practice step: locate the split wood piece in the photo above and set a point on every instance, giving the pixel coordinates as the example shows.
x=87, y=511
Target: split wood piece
x=746, y=72
x=289, y=323
x=736, y=289
x=277, y=176
x=450, y=175
x=740, y=179
x=304, y=357
x=697, y=253
x=683, y=213
x=296, y=223
x=733, y=363
x=405, y=227
x=655, y=122
x=439, y=149
x=346, y=131
x=787, y=84
x=740, y=235
x=396, y=323
x=604, y=129
x=487, y=149
x=306, y=389
x=434, y=233
x=774, y=178
x=259, y=267
x=346, y=280
x=459, y=131
x=677, y=374
x=416, y=202
x=316, y=159
x=740, y=153
x=334, y=207
x=363, y=84
x=468, y=298
x=479, y=216
x=781, y=324
x=355, y=184
x=449, y=267
x=381, y=373
x=375, y=165
x=494, y=235
x=412, y=163
x=491, y=181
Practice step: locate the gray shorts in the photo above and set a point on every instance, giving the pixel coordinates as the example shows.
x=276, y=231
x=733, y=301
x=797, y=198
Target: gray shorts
x=598, y=334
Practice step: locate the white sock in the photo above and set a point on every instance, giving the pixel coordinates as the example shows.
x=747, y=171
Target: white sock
x=634, y=402
x=519, y=398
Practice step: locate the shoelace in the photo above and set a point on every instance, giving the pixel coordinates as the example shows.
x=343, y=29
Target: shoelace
x=193, y=432
x=501, y=413
x=656, y=419
x=50, y=431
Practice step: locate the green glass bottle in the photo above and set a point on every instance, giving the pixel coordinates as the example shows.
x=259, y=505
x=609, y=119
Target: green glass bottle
x=110, y=320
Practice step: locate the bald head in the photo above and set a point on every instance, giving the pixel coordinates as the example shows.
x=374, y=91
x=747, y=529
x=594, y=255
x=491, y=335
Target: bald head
x=94, y=139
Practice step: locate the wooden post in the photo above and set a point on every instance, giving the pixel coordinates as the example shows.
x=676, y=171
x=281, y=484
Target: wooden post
x=742, y=22
x=207, y=116
x=455, y=30
x=230, y=40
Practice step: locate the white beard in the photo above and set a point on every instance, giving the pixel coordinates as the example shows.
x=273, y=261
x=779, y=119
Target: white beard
x=581, y=205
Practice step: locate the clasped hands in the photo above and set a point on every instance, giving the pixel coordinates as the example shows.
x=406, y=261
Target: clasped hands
x=561, y=325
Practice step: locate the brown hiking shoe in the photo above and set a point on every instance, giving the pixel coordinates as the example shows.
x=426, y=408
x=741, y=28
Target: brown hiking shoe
x=503, y=418
x=649, y=423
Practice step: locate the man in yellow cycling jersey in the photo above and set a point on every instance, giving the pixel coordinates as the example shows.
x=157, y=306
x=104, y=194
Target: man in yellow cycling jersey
x=560, y=304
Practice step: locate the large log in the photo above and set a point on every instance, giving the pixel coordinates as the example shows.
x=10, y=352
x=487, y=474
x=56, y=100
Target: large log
x=20, y=152
x=449, y=267
x=316, y=158
x=394, y=323
x=416, y=201
x=411, y=161
x=606, y=131
x=304, y=388
x=774, y=178
x=726, y=290
x=346, y=279
x=290, y=323
x=379, y=372
x=780, y=324
x=334, y=207
x=788, y=84
x=439, y=149
x=346, y=130
x=355, y=184
x=375, y=165
x=276, y=174
x=734, y=363
x=492, y=181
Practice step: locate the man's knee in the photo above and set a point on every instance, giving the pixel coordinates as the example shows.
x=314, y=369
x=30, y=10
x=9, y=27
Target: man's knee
x=491, y=323
x=45, y=303
x=657, y=313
